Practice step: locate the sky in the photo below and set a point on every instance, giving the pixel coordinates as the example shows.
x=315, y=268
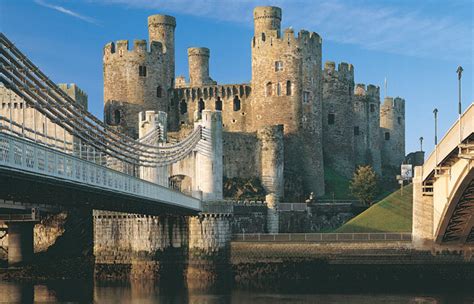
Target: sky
x=416, y=45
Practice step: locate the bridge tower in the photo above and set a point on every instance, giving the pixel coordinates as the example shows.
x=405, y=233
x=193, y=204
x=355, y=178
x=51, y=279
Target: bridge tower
x=149, y=122
x=286, y=90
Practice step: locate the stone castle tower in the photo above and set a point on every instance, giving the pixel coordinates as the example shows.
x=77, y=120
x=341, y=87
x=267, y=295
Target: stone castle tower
x=315, y=116
x=392, y=127
x=286, y=83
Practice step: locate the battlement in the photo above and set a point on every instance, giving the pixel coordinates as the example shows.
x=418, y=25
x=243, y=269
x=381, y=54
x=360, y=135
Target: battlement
x=213, y=91
x=396, y=104
x=303, y=40
x=76, y=93
x=121, y=47
x=161, y=20
x=345, y=71
x=198, y=51
x=371, y=90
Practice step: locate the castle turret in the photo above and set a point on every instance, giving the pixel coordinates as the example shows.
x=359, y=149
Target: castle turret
x=392, y=126
x=133, y=82
x=267, y=20
x=198, y=60
x=367, y=126
x=338, y=125
x=161, y=28
x=286, y=90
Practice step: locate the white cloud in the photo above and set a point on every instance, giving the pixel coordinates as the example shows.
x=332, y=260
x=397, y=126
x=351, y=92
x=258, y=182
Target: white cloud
x=66, y=11
x=371, y=25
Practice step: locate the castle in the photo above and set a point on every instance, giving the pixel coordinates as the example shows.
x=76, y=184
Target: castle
x=294, y=119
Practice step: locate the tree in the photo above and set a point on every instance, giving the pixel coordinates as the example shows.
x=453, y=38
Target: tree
x=364, y=184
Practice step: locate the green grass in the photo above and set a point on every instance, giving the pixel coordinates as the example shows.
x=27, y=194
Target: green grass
x=391, y=214
x=337, y=186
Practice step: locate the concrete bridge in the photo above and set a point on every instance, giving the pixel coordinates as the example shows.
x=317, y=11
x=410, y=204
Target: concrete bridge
x=443, y=192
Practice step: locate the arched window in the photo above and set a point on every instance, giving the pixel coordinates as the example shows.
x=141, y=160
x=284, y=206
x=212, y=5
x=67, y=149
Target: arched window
x=183, y=107
x=158, y=92
x=201, y=105
x=288, y=88
x=218, y=104
x=236, y=103
x=117, y=117
x=263, y=36
x=278, y=89
x=268, y=90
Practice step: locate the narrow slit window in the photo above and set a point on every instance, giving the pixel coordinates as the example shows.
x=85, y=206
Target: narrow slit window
x=142, y=71
x=387, y=136
x=218, y=104
x=159, y=92
x=201, y=105
x=288, y=88
x=236, y=103
x=331, y=119
x=268, y=89
x=356, y=130
x=183, y=107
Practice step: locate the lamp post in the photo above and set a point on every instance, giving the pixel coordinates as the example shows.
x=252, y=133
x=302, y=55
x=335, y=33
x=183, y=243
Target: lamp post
x=421, y=144
x=459, y=71
x=435, y=112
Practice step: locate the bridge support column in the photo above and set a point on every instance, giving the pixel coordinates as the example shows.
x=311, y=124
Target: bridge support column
x=209, y=250
x=422, y=227
x=208, y=163
x=20, y=243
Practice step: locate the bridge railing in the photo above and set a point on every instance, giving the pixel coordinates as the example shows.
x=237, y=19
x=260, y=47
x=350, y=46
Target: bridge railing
x=450, y=141
x=322, y=237
x=25, y=155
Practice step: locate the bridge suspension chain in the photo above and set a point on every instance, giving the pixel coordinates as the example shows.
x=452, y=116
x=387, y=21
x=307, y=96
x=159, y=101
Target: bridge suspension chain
x=21, y=76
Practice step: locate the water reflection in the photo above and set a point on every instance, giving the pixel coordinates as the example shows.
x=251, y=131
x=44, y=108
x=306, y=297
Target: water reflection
x=148, y=292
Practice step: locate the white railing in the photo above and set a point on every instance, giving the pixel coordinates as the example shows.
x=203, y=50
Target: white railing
x=450, y=141
x=24, y=155
x=322, y=237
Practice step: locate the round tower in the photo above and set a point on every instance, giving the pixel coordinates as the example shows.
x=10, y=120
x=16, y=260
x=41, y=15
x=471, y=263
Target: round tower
x=133, y=82
x=267, y=19
x=392, y=126
x=286, y=90
x=198, y=60
x=161, y=28
x=338, y=118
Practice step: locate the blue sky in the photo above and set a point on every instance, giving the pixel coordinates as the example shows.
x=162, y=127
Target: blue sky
x=417, y=45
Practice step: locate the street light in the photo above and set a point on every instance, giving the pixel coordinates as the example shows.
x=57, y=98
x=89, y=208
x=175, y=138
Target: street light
x=435, y=112
x=421, y=144
x=459, y=71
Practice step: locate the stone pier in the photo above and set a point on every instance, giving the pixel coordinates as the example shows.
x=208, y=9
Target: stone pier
x=20, y=243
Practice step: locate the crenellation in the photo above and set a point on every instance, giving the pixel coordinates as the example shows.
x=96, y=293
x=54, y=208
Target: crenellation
x=327, y=120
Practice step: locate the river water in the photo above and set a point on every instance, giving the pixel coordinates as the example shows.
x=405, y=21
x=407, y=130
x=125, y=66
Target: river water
x=146, y=292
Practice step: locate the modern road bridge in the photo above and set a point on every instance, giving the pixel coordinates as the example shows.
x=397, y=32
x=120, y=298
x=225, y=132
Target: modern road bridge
x=443, y=193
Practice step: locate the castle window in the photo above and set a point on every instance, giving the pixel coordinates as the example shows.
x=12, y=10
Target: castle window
x=356, y=130
x=117, y=117
x=372, y=108
x=158, y=92
x=218, y=104
x=278, y=89
x=399, y=119
x=263, y=36
x=183, y=107
x=306, y=95
x=142, y=70
x=288, y=88
x=278, y=66
x=268, y=89
x=201, y=105
x=387, y=136
x=236, y=103
x=331, y=118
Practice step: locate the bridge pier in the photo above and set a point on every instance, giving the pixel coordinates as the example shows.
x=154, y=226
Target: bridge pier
x=422, y=227
x=209, y=250
x=20, y=243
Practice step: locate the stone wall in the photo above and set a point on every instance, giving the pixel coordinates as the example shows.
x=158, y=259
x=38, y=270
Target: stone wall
x=138, y=246
x=241, y=155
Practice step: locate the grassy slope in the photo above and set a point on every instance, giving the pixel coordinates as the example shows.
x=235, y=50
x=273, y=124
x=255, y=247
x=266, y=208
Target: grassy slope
x=391, y=214
x=336, y=185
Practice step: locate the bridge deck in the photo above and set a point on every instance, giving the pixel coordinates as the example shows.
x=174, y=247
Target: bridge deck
x=31, y=172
